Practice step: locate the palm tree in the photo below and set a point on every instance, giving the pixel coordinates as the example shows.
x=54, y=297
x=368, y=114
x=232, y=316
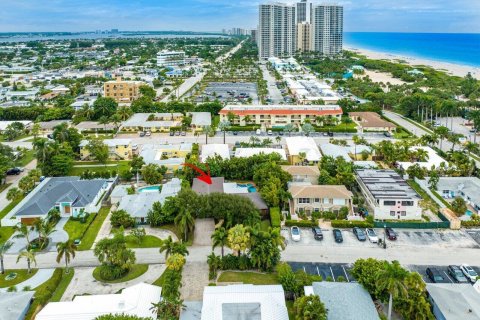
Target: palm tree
x=219, y=238
x=4, y=247
x=44, y=229
x=277, y=237
x=104, y=120
x=392, y=279
x=224, y=126
x=13, y=194
x=207, y=130
x=185, y=221
x=278, y=139
x=30, y=256
x=124, y=112
x=23, y=231
x=167, y=246
x=66, y=250
x=470, y=147
x=454, y=138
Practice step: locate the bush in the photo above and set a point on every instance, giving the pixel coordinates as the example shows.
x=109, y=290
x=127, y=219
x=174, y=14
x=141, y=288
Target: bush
x=471, y=223
x=45, y=291
x=301, y=223
x=351, y=224
x=110, y=273
x=121, y=218
x=335, y=129
x=275, y=217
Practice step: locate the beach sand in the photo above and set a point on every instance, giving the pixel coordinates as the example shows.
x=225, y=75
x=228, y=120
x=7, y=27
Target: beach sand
x=450, y=68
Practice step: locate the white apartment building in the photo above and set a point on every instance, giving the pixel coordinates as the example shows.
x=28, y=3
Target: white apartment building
x=170, y=58
x=327, y=29
x=276, y=30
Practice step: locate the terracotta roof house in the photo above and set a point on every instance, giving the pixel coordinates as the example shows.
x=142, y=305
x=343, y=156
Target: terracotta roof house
x=371, y=121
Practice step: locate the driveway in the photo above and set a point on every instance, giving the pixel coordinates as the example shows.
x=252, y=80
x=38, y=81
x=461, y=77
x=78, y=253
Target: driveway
x=203, y=232
x=14, y=183
x=273, y=91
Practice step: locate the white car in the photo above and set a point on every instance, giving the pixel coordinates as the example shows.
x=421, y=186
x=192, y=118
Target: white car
x=372, y=236
x=295, y=231
x=269, y=132
x=258, y=132
x=148, y=134
x=469, y=273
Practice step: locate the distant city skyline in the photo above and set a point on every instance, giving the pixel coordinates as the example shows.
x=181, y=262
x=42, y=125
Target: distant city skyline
x=449, y=16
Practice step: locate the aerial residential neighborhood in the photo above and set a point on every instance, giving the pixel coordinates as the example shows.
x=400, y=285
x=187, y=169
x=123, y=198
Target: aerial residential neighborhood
x=266, y=168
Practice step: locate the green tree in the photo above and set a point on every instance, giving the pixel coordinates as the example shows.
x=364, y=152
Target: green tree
x=151, y=173
x=238, y=238
x=98, y=150
x=167, y=308
x=23, y=231
x=13, y=194
x=175, y=262
x=459, y=206
x=185, y=222
x=219, y=238
x=104, y=107
x=121, y=218
x=29, y=255
x=167, y=246
x=26, y=184
x=120, y=317
x=136, y=163
x=307, y=128
x=147, y=91
x=114, y=255
x=139, y=234
x=365, y=271
x=4, y=247
x=433, y=180
x=310, y=308
x=392, y=279
x=66, y=250
x=224, y=126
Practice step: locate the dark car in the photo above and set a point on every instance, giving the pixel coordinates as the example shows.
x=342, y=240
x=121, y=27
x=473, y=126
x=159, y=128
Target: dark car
x=14, y=171
x=456, y=273
x=317, y=233
x=172, y=133
x=235, y=133
x=435, y=275
x=391, y=234
x=359, y=233
x=330, y=134
x=337, y=234
x=177, y=133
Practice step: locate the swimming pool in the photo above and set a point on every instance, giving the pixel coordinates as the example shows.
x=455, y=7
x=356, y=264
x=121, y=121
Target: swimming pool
x=251, y=187
x=468, y=213
x=149, y=189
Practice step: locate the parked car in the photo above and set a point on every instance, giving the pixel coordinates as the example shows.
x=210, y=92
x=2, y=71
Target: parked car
x=235, y=133
x=269, y=132
x=258, y=132
x=435, y=275
x=177, y=133
x=172, y=133
x=372, y=236
x=391, y=234
x=469, y=273
x=148, y=133
x=330, y=134
x=317, y=233
x=457, y=274
x=183, y=133
x=14, y=171
x=295, y=231
x=141, y=134
x=337, y=234
x=359, y=234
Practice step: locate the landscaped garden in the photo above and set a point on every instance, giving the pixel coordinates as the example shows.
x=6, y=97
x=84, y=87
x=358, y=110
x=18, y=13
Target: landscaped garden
x=135, y=271
x=92, y=231
x=15, y=276
x=248, y=277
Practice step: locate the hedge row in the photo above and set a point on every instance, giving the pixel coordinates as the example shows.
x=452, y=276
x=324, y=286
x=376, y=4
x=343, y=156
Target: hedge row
x=243, y=128
x=471, y=223
x=351, y=224
x=301, y=223
x=336, y=129
x=275, y=217
x=44, y=292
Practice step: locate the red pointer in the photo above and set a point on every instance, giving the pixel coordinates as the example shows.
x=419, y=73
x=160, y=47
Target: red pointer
x=205, y=177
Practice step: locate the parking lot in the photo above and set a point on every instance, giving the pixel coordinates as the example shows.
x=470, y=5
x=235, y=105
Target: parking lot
x=405, y=238
x=231, y=92
x=443, y=270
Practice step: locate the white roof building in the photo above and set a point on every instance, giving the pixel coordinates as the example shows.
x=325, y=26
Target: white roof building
x=433, y=159
x=136, y=300
x=248, y=152
x=307, y=145
x=335, y=151
x=5, y=124
x=210, y=150
x=245, y=301
x=110, y=142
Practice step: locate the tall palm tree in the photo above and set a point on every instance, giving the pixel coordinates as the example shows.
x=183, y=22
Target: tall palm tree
x=224, y=126
x=124, y=112
x=13, y=194
x=185, y=221
x=4, y=247
x=44, y=228
x=392, y=279
x=23, y=231
x=277, y=237
x=207, y=130
x=470, y=147
x=220, y=238
x=30, y=256
x=66, y=250
x=167, y=246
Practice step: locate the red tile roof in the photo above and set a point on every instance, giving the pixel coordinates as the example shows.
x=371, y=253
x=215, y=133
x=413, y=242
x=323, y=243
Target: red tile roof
x=282, y=112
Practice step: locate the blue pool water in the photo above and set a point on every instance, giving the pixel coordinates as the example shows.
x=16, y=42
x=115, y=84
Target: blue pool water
x=250, y=186
x=149, y=189
x=468, y=213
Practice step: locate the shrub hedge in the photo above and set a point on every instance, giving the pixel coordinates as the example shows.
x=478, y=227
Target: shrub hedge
x=275, y=217
x=337, y=129
x=301, y=223
x=351, y=224
x=471, y=223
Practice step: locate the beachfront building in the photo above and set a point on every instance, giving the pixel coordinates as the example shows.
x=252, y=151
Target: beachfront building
x=118, y=149
x=303, y=37
x=307, y=89
x=122, y=91
x=302, y=151
x=167, y=58
x=314, y=198
x=389, y=195
x=153, y=122
x=70, y=195
x=270, y=116
x=249, y=152
x=371, y=121
x=327, y=29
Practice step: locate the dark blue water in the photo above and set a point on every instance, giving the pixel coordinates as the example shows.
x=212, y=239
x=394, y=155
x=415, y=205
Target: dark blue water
x=460, y=48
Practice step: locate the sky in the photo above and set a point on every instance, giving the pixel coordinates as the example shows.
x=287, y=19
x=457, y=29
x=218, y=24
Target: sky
x=452, y=16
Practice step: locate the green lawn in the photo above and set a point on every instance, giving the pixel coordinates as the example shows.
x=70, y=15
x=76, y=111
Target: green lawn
x=161, y=279
x=76, y=228
x=248, y=277
x=98, y=167
x=147, y=242
x=27, y=157
x=9, y=207
x=5, y=233
x=92, y=231
x=136, y=271
x=4, y=186
x=22, y=275
x=60, y=290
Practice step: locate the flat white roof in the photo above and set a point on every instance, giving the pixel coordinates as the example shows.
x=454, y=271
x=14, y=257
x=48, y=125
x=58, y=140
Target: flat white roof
x=210, y=150
x=4, y=124
x=110, y=142
x=433, y=159
x=248, y=152
x=296, y=145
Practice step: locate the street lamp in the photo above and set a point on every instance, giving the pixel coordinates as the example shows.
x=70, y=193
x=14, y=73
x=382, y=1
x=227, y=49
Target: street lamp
x=384, y=235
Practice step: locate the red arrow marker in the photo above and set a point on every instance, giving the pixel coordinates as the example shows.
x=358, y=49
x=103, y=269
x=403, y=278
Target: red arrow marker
x=205, y=177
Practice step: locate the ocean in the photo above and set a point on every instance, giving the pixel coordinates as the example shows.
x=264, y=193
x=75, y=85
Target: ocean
x=459, y=48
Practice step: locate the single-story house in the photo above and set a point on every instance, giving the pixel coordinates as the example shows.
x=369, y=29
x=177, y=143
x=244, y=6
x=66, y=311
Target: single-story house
x=6, y=123
x=452, y=301
x=249, y=152
x=432, y=159
x=153, y=122
x=303, y=173
x=200, y=119
x=317, y=198
x=371, y=121
x=335, y=151
x=70, y=195
x=344, y=300
x=244, y=301
x=133, y=301
x=15, y=305
x=47, y=127
x=94, y=126
x=302, y=150
x=465, y=187
x=213, y=149
x=118, y=193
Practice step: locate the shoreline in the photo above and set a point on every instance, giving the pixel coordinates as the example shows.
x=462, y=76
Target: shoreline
x=451, y=68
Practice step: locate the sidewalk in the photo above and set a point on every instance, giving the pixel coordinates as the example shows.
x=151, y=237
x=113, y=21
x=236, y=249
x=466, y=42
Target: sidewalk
x=40, y=277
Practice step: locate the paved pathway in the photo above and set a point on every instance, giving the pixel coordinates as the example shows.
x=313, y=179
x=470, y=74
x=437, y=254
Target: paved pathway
x=203, y=232
x=160, y=233
x=105, y=229
x=40, y=277
x=194, y=279
x=273, y=91
x=83, y=282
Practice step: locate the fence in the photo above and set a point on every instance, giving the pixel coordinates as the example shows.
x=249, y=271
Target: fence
x=444, y=224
